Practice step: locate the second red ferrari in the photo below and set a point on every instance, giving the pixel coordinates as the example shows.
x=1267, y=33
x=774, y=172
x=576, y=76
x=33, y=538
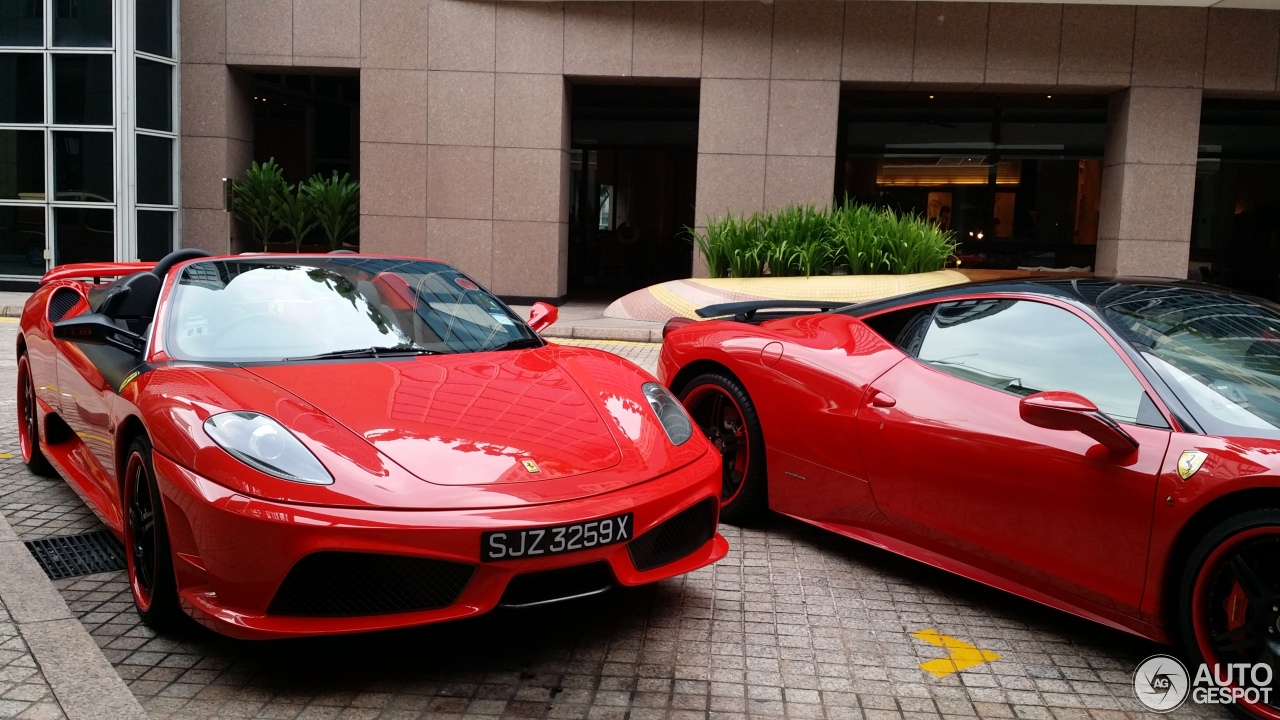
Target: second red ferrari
x=1109, y=448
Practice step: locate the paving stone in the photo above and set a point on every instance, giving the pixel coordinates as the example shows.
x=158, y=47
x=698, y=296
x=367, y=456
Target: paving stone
x=24, y=692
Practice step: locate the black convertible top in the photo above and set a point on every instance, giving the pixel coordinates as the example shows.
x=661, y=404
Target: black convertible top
x=1095, y=292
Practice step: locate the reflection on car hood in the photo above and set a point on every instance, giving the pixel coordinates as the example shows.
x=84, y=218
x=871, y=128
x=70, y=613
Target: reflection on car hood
x=466, y=419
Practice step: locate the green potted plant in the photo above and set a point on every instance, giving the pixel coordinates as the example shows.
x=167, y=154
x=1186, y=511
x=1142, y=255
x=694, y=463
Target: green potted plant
x=295, y=214
x=336, y=204
x=255, y=197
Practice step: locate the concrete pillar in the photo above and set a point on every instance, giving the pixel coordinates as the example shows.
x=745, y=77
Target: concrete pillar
x=769, y=107
x=217, y=141
x=1148, y=182
x=1149, y=171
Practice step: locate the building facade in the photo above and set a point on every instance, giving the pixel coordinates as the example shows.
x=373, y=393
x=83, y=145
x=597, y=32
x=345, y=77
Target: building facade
x=554, y=148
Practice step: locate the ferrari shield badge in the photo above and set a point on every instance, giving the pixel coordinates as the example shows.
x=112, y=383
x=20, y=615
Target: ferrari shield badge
x=1189, y=463
x=530, y=465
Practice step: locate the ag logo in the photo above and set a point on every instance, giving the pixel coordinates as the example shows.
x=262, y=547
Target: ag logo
x=1161, y=683
x=530, y=465
x=1189, y=463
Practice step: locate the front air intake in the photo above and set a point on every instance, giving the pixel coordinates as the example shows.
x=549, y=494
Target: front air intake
x=346, y=584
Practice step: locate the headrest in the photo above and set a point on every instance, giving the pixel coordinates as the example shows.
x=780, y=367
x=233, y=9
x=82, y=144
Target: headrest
x=134, y=297
x=168, y=261
x=395, y=291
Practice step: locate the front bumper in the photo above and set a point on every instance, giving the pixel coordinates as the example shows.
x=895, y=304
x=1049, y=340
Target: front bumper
x=232, y=552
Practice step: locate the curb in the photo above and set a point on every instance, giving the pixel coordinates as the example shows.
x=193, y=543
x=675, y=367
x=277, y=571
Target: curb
x=84, y=684
x=644, y=335
x=11, y=311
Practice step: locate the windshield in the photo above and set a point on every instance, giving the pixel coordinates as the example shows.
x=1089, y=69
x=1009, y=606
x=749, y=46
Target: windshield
x=273, y=308
x=1219, y=353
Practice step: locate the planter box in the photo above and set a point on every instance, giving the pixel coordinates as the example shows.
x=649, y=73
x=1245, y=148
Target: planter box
x=681, y=298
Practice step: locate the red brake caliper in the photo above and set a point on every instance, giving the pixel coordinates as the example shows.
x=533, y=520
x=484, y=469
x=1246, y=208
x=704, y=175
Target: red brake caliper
x=1236, y=606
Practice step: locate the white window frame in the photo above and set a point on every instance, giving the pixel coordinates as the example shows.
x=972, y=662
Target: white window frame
x=124, y=205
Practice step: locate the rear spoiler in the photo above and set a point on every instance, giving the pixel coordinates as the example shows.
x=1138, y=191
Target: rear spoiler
x=746, y=311
x=94, y=271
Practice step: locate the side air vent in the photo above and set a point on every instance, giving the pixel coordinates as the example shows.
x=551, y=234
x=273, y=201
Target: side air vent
x=675, y=538
x=63, y=300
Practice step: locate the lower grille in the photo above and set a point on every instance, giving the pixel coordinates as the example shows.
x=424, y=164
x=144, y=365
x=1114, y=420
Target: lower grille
x=675, y=538
x=345, y=584
x=548, y=586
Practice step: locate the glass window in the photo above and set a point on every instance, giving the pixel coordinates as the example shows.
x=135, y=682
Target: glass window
x=22, y=240
x=154, y=20
x=83, y=235
x=155, y=234
x=1219, y=353
x=155, y=170
x=1018, y=179
x=21, y=164
x=269, y=309
x=1237, y=200
x=21, y=88
x=83, y=167
x=82, y=23
x=21, y=22
x=155, y=95
x=82, y=89
x=1025, y=347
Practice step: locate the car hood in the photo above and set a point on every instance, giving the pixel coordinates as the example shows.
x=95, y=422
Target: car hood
x=467, y=419
x=346, y=411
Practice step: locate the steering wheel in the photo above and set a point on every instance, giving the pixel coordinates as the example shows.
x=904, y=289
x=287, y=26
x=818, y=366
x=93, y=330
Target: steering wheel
x=244, y=319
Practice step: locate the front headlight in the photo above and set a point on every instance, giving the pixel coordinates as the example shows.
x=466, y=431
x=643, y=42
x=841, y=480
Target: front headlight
x=264, y=444
x=670, y=413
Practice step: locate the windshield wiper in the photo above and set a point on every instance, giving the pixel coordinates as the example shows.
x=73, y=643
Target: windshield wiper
x=369, y=352
x=517, y=344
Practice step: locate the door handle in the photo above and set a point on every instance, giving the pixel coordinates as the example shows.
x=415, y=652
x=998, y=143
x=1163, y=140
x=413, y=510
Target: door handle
x=882, y=400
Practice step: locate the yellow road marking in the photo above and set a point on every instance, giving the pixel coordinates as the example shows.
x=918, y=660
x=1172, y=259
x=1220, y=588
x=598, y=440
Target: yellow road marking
x=960, y=654
x=5, y=456
x=94, y=436
x=10, y=320
x=584, y=341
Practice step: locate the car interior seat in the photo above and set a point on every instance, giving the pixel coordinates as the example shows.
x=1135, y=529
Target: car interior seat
x=132, y=299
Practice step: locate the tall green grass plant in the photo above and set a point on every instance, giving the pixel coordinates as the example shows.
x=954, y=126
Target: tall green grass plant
x=807, y=240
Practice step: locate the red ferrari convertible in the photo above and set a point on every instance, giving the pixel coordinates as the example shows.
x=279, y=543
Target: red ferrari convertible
x=295, y=445
x=1109, y=448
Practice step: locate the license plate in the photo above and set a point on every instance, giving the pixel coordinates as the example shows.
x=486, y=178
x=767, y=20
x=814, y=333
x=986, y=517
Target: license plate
x=536, y=542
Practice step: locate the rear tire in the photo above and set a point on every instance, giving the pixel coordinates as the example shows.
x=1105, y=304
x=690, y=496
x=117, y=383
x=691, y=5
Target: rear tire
x=29, y=422
x=1229, y=600
x=151, y=578
x=723, y=410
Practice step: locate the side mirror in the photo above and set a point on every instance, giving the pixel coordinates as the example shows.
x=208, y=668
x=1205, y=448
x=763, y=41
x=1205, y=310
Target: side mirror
x=1062, y=410
x=542, y=316
x=98, y=329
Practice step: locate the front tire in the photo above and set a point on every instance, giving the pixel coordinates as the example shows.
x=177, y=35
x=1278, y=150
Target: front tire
x=1229, y=600
x=151, y=578
x=720, y=406
x=29, y=422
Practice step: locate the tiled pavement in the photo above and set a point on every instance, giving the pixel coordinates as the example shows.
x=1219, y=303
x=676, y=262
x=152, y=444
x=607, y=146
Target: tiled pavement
x=24, y=693
x=795, y=623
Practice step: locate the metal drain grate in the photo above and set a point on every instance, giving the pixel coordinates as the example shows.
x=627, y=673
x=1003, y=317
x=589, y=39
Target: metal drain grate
x=75, y=555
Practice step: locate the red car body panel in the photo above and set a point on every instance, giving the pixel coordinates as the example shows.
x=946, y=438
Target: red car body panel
x=426, y=454
x=945, y=472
